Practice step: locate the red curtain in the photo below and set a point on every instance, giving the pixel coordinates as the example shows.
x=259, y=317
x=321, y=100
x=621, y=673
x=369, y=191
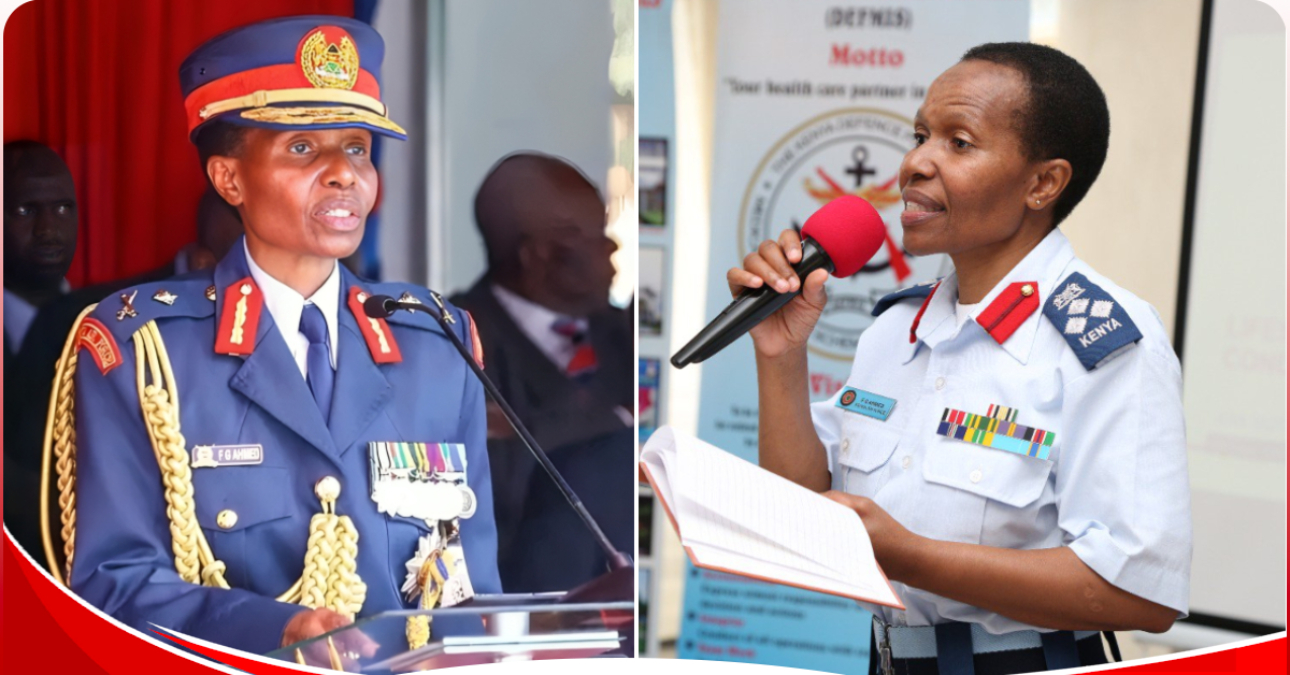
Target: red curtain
x=98, y=81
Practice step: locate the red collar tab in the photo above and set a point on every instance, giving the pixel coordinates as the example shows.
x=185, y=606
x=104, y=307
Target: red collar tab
x=913, y=327
x=376, y=332
x=243, y=303
x=1011, y=309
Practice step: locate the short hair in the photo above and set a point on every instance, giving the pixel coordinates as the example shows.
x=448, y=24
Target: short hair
x=219, y=139
x=1064, y=117
x=499, y=212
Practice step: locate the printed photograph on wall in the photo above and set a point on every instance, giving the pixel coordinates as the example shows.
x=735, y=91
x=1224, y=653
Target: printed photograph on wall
x=653, y=182
x=652, y=290
x=647, y=399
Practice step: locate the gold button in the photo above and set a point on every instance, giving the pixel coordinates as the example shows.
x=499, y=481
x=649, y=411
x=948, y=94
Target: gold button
x=245, y=289
x=327, y=488
x=1027, y=290
x=226, y=519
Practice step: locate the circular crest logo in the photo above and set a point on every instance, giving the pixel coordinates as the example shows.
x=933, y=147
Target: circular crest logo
x=852, y=151
x=329, y=58
x=848, y=397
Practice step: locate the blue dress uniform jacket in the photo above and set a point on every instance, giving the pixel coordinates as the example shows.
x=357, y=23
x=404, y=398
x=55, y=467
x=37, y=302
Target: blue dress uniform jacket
x=1081, y=360
x=124, y=562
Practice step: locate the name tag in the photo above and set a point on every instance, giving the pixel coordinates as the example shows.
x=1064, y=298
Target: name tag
x=866, y=403
x=212, y=456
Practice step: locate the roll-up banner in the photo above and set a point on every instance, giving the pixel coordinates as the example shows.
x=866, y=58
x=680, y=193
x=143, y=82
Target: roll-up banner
x=815, y=100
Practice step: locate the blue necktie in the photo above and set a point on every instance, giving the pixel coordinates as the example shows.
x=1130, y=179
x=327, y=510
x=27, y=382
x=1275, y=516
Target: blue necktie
x=322, y=379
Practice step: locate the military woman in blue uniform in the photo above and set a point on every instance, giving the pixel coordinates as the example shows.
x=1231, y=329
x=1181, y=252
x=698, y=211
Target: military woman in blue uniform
x=234, y=429
x=1012, y=434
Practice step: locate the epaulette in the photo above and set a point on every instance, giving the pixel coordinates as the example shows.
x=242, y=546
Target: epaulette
x=127, y=310
x=410, y=293
x=1093, y=323
x=919, y=291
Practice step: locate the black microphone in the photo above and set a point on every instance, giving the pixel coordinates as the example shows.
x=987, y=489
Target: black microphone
x=382, y=306
x=840, y=237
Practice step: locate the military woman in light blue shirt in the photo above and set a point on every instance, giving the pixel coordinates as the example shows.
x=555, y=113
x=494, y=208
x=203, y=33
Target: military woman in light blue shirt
x=1012, y=434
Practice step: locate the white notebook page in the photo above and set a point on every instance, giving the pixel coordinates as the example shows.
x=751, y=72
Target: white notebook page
x=728, y=510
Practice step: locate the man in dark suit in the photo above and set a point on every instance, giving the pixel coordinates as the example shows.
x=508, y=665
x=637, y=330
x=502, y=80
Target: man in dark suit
x=559, y=353
x=39, y=241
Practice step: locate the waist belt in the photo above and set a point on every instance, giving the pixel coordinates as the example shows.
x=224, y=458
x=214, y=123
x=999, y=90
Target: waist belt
x=919, y=642
x=959, y=641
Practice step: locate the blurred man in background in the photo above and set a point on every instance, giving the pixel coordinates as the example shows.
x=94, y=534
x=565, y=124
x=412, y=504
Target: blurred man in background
x=39, y=241
x=562, y=356
x=39, y=234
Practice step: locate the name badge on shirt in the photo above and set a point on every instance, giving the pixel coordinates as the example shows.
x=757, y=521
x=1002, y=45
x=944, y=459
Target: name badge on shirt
x=212, y=456
x=866, y=403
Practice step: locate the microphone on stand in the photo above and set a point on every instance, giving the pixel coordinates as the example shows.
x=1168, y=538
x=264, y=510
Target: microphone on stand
x=840, y=237
x=619, y=583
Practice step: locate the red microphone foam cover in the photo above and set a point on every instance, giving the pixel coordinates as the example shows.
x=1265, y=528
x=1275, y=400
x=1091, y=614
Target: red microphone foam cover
x=850, y=230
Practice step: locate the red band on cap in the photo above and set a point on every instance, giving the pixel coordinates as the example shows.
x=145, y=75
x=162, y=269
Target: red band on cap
x=267, y=78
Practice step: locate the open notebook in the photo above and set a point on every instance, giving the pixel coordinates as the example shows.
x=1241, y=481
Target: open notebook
x=735, y=517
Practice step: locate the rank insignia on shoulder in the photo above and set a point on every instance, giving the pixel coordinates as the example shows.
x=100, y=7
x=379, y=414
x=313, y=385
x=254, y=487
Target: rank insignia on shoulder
x=1093, y=323
x=127, y=306
x=410, y=299
x=212, y=456
x=97, y=339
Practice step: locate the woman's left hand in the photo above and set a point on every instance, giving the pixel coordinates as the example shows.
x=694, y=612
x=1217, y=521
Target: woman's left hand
x=893, y=545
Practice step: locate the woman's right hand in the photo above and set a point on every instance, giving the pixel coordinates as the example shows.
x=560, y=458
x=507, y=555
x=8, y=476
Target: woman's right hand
x=772, y=264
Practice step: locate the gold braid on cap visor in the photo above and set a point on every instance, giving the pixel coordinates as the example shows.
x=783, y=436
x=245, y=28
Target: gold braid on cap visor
x=354, y=107
x=305, y=116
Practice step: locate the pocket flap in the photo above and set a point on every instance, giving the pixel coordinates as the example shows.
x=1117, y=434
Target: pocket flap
x=1015, y=480
x=255, y=494
x=866, y=445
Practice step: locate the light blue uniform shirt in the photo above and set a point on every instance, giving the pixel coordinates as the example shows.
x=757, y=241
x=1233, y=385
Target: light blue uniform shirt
x=1114, y=486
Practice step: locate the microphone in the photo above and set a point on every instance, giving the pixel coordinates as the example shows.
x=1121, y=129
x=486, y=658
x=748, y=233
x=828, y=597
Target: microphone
x=840, y=237
x=606, y=587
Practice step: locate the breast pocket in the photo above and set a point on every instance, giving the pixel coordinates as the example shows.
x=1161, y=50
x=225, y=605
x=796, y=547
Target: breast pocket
x=864, y=453
x=245, y=511
x=983, y=484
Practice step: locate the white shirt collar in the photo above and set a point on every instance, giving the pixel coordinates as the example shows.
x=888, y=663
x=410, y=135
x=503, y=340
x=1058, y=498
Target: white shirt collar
x=536, y=322
x=285, y=306
x=1044, y=265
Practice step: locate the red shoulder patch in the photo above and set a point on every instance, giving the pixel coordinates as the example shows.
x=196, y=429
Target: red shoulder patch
x=477, y=347
x=98, y=340
x=376, y=332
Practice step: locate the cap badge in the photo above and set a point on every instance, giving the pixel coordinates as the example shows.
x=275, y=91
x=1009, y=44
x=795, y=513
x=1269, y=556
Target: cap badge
x=329, y=63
